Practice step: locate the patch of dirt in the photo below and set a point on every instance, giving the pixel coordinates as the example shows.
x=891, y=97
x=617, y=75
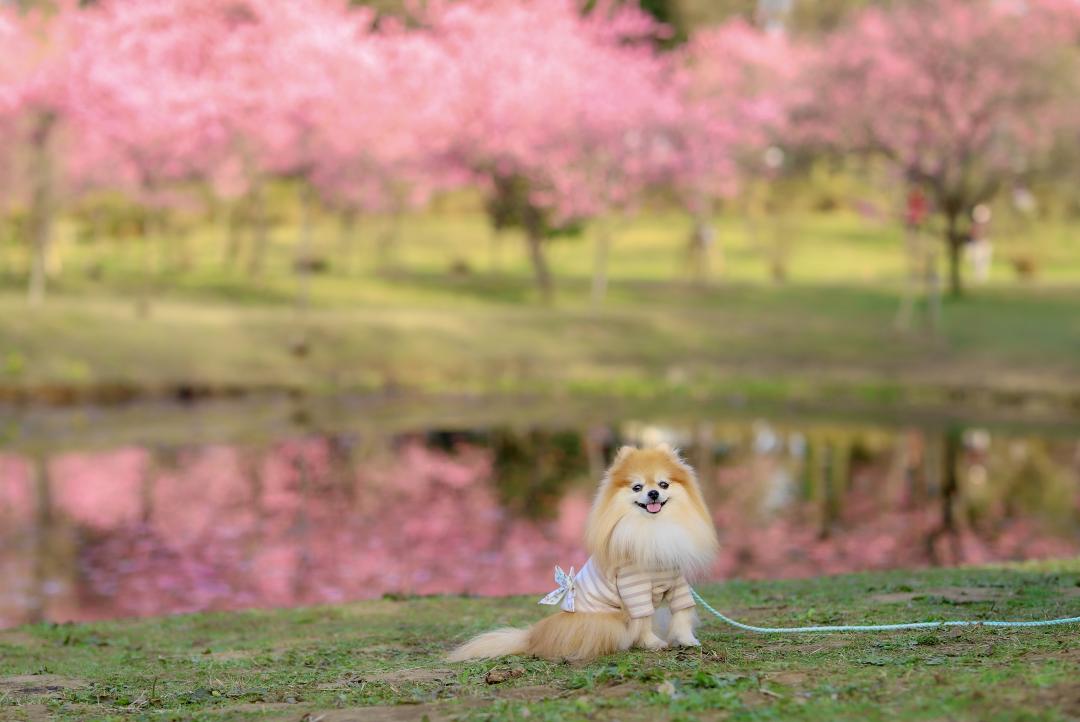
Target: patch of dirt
x=396, y=676
x=760, y=697
x=618, y=690
x=789, y=679
x=382, y=649
x=229, y=655
x=1063, y=698
x=388, y=713
x=817, y=646
x=529, y=693
x=392, y=677
x=418, y=674
x=758, y=612
x=439, y=711
x=38, y=684
x=446, y=711
x=265, y=710
x=1072, y=656
x=28, y=713
x=955, y=595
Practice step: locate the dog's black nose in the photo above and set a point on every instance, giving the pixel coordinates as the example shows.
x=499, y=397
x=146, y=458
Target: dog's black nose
x=654, y=495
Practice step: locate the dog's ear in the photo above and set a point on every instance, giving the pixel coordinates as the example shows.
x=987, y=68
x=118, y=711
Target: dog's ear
x=622, y=455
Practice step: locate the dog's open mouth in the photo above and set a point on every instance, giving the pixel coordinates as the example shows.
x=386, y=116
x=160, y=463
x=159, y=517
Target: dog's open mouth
x=653, y=507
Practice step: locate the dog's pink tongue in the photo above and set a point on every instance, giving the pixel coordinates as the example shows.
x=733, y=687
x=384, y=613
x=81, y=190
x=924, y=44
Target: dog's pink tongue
x=654, y=507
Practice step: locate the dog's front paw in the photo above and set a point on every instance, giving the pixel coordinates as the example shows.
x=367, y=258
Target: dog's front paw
x=651, y=641
x=685, y=640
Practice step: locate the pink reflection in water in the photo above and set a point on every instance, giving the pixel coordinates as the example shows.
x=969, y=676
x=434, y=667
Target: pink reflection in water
x=133, y=533
x=222, y=529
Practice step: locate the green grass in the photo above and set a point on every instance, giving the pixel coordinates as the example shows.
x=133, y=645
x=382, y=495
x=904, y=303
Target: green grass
x=382, y=660
x=423, y=327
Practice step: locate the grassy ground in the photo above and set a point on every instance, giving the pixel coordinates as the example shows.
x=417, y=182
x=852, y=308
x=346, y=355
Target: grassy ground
x=429, y=327
x=381, y=660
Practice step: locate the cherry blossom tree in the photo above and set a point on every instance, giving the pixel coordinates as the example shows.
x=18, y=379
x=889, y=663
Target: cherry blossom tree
x=737, y=88
x=239, y=94
x=150, y=94
x=544, y=119
x=35, y=99
x=959, y=94
x=384, y=137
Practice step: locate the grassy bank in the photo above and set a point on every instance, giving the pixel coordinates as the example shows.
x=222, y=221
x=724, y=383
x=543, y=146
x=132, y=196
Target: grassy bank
x=381, y=660
x=768, y=342
x=458, y=315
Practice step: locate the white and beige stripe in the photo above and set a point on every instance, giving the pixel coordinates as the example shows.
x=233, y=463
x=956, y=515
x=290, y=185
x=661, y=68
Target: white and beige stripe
x=638, y=591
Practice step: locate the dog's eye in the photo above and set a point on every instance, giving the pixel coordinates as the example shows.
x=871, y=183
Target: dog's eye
x=664, y=485
x=637, y=487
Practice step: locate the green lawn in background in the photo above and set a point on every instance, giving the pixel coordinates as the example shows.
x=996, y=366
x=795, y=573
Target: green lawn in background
x=454, y=315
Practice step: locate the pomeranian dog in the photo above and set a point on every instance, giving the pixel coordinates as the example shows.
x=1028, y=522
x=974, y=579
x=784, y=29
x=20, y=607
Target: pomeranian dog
x=648, y=531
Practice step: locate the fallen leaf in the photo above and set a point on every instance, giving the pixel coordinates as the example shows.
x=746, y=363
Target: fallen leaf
x=496, y=676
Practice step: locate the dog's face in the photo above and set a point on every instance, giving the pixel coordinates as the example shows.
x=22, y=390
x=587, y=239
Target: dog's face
x=649, y=510
x=650, y=479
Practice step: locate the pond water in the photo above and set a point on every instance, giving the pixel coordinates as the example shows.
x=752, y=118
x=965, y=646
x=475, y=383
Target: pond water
x=298, y=517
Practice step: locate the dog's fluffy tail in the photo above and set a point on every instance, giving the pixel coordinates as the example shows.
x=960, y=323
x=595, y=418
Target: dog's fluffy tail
x=499, y=643
x=575, y=636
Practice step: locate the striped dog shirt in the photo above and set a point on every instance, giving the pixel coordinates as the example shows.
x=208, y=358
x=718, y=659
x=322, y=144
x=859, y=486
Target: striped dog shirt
x=639, y=591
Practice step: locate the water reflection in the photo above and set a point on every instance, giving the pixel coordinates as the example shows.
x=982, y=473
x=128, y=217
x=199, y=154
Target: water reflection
x=329, y=518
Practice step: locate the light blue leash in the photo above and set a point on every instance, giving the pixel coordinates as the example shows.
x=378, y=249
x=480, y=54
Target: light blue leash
x=877, y=627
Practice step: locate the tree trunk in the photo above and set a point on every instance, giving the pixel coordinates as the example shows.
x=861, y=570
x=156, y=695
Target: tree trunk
x=600, y=263
x=387, y=244
x=950, y=484
x=233, y=241
x=41, y=207
x=817, y=475
x=702, y=240
x=182, y=259
x=346, y=233
x=943, y=544
x=146, y=487
x=954, y=241
x=44, y=522
x=495, y=250
x=915, y=271
x=534, y=238
x=151, y=234
x=778, y=256
x=699, y=252
x=933, y=291
x=303, y=258
x=260, y=239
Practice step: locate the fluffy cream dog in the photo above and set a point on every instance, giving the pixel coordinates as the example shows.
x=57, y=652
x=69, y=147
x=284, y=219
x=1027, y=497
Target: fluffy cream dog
x=647, y=532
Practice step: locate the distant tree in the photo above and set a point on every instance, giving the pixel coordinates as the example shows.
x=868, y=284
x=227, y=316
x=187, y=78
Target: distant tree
x=737, y=85
x=556, y=126
x=385, y=135
x=36, y=100
x=241, y=92
x=959, y=94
